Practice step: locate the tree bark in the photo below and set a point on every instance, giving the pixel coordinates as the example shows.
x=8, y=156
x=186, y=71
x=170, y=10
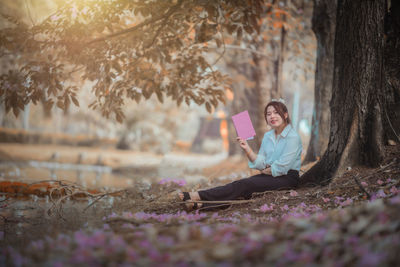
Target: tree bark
x=323, y=25
x=356, y=134
x=280, y=48
x=245, y=97
x=262, y=97
x=392, y=72
x=254, y=98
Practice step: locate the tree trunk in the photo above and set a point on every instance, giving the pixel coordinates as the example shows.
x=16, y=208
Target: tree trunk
x=253, y=98
x=323, y=25
x=392, y=73
x=280, y=49
x=262, y=98
x=356, y=135
x=244, y=98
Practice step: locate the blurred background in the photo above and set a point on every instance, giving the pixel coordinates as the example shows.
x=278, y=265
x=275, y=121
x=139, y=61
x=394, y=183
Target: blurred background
x=161, y=140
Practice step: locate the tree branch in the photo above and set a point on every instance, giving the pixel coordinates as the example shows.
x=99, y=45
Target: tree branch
x=236, y=47
x=140, y=25
x=164, y=22
x=361, y=187
x=223, y=52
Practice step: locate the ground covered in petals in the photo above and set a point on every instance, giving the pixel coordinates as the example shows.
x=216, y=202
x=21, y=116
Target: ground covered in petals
x=353, y=221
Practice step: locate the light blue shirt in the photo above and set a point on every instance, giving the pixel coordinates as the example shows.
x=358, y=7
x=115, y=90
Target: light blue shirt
x=282, y=153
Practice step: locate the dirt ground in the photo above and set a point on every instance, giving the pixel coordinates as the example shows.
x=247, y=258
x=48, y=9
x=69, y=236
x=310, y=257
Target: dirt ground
x=26, y=219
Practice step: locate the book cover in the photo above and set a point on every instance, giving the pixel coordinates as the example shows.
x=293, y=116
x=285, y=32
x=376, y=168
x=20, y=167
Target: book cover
x=244, y=127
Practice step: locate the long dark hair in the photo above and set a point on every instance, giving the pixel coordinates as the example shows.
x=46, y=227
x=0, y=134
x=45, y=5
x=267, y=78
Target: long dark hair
x=280, y=108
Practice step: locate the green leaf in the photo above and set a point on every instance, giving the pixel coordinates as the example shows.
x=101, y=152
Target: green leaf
x=120, y=117
x=159, y=96
x=179, y=100
x=76, y=102
x=248, y=29
x=218, y=42
x=214, y=102
x=117, y=67
x=137, y=98
x=67, y=102
x=239, y=33
x=208, y=107
x=60, y=104
x=20, y=105
x=231, y=28
x=16, y=111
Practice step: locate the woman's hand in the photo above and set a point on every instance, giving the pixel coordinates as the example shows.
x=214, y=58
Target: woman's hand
x=267, y=171
x=243, y=144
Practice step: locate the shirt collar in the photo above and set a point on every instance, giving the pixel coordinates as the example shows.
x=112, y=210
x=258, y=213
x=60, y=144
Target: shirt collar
x=285, y=131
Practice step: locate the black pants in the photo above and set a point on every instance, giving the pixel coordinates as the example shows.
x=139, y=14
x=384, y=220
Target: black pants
x=245, y=187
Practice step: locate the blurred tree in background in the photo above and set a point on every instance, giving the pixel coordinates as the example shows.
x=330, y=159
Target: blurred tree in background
x=323, y=25
x=258, y=62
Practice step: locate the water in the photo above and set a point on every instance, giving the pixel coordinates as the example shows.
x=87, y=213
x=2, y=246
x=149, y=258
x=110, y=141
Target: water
x=150, y=169
x=90, y=176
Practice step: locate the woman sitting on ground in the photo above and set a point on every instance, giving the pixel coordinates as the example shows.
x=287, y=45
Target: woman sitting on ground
x=278, y=160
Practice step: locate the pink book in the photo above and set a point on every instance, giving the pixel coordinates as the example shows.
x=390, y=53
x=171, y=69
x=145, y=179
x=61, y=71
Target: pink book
x=244, y=127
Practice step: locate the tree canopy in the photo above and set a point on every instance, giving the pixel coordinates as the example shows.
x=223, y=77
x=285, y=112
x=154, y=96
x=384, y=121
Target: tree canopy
x=128, y=49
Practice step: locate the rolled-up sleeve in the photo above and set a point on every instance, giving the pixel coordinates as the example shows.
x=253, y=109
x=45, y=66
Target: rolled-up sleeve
x=259, y=163
x=290, y=153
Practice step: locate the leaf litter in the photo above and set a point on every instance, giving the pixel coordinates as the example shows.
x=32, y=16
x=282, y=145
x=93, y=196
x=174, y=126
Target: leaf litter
x=352, y=221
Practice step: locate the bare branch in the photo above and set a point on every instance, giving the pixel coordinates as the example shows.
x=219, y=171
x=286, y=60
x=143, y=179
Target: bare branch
x=164, y=22
x=140, y=25
x=223, y=52
x=217, y=201
x=391, y=126
x=236, y=47
x=361, y=187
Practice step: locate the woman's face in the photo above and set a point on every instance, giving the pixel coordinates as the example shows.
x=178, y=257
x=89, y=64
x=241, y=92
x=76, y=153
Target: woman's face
x=273, y=118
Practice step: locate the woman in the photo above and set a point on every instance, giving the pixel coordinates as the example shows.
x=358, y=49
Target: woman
x=278, y=160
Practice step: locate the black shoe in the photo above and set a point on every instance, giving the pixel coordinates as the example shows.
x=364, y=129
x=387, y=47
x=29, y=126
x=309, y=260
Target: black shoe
x=186, y=196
